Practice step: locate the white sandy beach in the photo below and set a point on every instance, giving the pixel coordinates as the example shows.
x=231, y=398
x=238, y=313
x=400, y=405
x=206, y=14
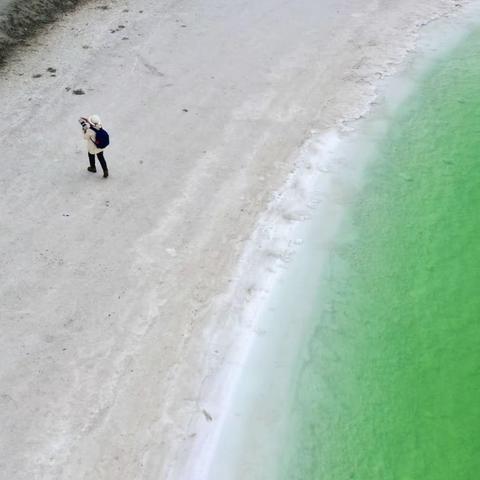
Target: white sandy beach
x=126, y=302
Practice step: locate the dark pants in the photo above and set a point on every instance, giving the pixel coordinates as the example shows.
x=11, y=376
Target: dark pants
x=101, y=159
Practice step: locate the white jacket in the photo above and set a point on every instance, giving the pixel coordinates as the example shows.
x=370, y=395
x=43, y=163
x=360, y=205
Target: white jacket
x=89, y=136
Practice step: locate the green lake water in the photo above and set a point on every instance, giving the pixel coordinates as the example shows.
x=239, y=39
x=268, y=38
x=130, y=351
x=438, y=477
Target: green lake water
x=388, y=387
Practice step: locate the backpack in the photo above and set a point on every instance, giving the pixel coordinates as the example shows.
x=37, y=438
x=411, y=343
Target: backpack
x=102, y=140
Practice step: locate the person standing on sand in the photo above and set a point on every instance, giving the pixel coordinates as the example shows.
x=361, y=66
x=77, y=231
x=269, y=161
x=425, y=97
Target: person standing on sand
x=97, y=140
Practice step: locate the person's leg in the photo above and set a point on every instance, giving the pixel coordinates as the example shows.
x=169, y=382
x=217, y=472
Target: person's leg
x=103, y=163
x=92, y=167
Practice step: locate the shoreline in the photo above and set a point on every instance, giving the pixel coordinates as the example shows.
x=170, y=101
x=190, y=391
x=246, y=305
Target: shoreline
x=284, y=226
x=434, y=38
x=168, y=303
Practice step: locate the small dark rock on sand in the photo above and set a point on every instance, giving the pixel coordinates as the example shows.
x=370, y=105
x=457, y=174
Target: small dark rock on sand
x=78, y=91
x=208, y=417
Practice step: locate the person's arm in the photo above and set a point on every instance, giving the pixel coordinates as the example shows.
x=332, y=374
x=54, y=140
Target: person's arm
x=84, y=123
x=90, y=136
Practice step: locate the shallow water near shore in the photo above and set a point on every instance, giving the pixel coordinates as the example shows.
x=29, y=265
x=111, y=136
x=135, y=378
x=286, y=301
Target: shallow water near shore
x=388, y=384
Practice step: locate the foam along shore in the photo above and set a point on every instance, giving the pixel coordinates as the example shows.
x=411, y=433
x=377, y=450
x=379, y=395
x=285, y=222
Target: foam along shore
x=125, y=303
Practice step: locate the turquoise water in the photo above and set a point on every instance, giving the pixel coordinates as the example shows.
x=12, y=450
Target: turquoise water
x=389, y=382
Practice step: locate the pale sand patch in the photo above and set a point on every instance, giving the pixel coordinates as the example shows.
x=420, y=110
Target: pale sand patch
x=115, y=300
